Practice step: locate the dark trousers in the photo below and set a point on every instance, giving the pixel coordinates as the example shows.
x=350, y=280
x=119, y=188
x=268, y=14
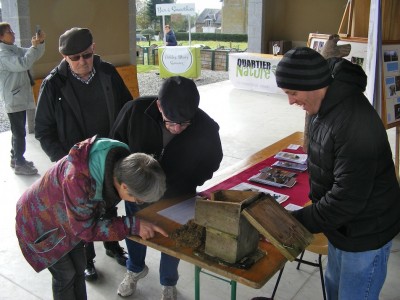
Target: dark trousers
x=18, y=131
x=69, y=275
x=91, y=253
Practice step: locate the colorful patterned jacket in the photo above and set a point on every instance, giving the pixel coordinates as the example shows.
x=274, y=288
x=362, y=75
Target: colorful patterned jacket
x=61, y=209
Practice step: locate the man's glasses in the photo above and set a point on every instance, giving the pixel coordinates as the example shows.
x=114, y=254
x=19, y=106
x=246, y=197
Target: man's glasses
x=172, y=124
x=78, y=57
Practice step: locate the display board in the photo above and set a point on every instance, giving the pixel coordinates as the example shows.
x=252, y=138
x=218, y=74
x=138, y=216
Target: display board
x=391, y=84
x=179, y=60
x=254, y=71
x=390, y=102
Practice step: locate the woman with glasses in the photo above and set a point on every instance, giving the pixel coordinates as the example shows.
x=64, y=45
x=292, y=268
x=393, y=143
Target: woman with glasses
x=80, y=193
x=16, y=91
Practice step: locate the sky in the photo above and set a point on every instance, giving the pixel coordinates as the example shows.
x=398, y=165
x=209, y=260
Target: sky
x=200, y=5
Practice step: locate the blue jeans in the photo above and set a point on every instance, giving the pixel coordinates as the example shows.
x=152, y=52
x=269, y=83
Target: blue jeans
x=137, y=255
x=356, y=275
x=69, y=275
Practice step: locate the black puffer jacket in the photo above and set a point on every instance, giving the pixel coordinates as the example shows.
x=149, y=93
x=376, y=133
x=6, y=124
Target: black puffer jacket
x=353, y=186
x=58, y=121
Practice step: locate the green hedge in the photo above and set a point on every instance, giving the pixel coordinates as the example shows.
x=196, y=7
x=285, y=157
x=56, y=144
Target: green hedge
x=223, y=37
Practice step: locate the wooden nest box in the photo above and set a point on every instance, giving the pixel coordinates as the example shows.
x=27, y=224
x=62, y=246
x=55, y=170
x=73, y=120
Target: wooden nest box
x=229, y=236
x=234, y=219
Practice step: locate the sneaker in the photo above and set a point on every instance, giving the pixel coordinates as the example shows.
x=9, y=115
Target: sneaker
x=25, y=169
x=13, y=160
x=128, y=285
x=119, y=254
x=90, y=271
x=169, y=293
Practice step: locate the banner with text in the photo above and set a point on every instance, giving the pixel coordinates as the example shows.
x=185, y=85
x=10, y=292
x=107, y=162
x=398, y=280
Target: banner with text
x=175, y=8
x=254, y=71
x=179, y=60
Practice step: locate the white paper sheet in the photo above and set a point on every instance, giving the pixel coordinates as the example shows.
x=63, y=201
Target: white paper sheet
x=292, y=207
x=181, y=212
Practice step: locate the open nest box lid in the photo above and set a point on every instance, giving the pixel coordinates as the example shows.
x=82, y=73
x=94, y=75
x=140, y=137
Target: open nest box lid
x=280, y=228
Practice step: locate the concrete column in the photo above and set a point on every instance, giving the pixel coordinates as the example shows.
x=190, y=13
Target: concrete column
x=255, y=26
x=132, y=31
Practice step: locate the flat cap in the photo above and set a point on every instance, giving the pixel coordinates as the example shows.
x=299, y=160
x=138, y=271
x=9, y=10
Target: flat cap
x=75, y=40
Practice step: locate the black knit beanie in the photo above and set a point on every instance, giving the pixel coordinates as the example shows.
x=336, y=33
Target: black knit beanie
x=179, y=98
x=303, y=69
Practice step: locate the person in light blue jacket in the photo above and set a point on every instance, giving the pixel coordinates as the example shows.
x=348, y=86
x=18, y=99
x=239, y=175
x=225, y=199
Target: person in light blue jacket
x=16, y=91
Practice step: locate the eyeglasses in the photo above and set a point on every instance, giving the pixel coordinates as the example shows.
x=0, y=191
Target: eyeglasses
x=172, y=124
x=10, y=32
x=78, y=57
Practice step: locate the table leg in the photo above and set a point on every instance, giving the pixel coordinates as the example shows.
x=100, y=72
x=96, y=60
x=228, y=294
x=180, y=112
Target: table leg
x=197, y=282
x=197, y=271
x=233, y=290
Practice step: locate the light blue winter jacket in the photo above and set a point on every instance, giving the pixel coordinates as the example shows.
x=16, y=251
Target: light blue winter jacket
x=15, y=88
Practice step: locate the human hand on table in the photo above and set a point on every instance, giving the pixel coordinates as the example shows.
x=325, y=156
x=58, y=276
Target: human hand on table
x=147, y=230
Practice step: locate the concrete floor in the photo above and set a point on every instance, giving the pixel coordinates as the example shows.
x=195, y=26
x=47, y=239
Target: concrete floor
x=249, y=121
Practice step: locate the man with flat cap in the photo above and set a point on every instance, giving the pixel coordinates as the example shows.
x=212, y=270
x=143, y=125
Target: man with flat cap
x=80, y=98
x=186, y=142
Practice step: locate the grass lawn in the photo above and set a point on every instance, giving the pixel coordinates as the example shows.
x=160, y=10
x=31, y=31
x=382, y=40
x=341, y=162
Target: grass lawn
x=146, y=68
x=211, y=44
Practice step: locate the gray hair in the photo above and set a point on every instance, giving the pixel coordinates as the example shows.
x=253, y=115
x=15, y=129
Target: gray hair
x=143, y=175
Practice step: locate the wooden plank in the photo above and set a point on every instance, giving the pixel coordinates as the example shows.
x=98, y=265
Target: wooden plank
x=219, y=215
x=344, y=32
x=232, y=248
x=129, y=76
x=278, y=226
x=390, y=18
x=224, y=209
x=36, y=89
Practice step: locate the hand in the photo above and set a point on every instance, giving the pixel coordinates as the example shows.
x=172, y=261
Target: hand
x=148, y=229
x=38, y=38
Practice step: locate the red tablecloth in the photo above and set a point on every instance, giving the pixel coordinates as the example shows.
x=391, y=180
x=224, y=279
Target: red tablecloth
x=298, y=194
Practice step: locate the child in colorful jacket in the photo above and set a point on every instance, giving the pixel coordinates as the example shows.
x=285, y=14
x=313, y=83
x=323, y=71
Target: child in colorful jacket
x=72, y=203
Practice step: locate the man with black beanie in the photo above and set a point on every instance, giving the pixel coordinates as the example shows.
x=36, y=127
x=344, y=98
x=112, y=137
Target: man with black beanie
x=353, y=187
x=186, y=142
x=80, y=98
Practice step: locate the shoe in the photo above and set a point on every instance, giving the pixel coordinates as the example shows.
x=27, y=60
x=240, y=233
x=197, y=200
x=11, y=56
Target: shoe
x=169, y=293
x=25, y=169
x=128, y=285
x=13, y=160
x=90, y=271
x=119, y=254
